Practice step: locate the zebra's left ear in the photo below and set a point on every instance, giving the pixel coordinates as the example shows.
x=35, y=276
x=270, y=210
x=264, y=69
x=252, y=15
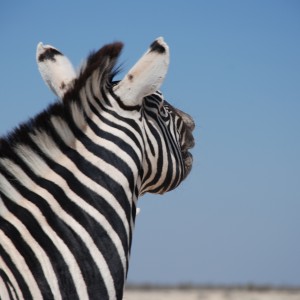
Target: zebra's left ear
x=146, y=76
x=55, y=69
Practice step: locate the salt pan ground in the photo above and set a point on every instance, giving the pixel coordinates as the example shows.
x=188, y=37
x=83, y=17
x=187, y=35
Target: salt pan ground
x=211, y=294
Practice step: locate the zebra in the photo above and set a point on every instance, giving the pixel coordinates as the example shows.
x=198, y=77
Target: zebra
x=71, y=176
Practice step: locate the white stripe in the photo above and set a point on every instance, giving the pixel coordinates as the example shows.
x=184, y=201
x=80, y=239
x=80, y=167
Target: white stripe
x=12, y=194
x=39, y=252
x=21, y=265
x=12, y=279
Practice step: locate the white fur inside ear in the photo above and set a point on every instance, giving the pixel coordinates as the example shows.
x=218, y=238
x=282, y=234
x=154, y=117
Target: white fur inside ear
x=55, y=68
x=146, y=76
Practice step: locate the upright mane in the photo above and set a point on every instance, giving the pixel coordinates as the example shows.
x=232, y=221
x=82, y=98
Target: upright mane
x=101, y=63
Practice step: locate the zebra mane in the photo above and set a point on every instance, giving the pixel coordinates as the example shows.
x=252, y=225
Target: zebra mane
x=103, y=61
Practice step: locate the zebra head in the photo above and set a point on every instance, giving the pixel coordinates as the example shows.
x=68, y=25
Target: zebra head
x=164, y=132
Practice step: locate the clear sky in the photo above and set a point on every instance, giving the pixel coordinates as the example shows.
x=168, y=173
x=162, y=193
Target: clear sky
x=235, y=67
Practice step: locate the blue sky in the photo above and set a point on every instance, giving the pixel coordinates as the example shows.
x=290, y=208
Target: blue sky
x=235, y=67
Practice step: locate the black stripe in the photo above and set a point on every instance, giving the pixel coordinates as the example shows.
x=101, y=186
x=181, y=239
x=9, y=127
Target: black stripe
x=149, y=171
x=61, y=269
x=9, y=286
x=26, y=252
x=153, y=101
x=19, y=278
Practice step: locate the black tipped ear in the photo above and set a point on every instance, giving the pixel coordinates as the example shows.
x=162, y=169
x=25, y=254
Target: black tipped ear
x=55, y=69
x=49, y=54
x=157, y=47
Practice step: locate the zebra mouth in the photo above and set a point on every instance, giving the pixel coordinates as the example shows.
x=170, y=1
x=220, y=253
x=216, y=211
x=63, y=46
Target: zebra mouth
x=188, y=141
x=188, y=162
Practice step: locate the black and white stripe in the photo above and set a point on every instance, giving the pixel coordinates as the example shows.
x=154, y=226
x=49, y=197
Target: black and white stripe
x=70, y=178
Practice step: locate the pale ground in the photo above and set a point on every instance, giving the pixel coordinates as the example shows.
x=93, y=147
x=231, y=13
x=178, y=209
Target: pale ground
x=210, y=294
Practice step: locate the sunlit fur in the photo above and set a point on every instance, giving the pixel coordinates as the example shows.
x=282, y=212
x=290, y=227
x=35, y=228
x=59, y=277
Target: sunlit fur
x=70, y=179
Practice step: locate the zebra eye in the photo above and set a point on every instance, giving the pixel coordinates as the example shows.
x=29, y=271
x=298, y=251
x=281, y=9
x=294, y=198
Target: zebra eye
x=164, y=112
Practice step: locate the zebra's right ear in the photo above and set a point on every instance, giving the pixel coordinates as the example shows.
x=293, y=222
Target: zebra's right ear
x=55, y=69
x=146, y=76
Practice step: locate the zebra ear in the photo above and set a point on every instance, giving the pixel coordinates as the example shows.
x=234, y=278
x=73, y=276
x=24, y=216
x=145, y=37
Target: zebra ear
x=146, y=76
x=55, y=69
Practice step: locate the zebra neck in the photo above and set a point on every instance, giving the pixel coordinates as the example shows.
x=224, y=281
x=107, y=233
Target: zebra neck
x=61, y=186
